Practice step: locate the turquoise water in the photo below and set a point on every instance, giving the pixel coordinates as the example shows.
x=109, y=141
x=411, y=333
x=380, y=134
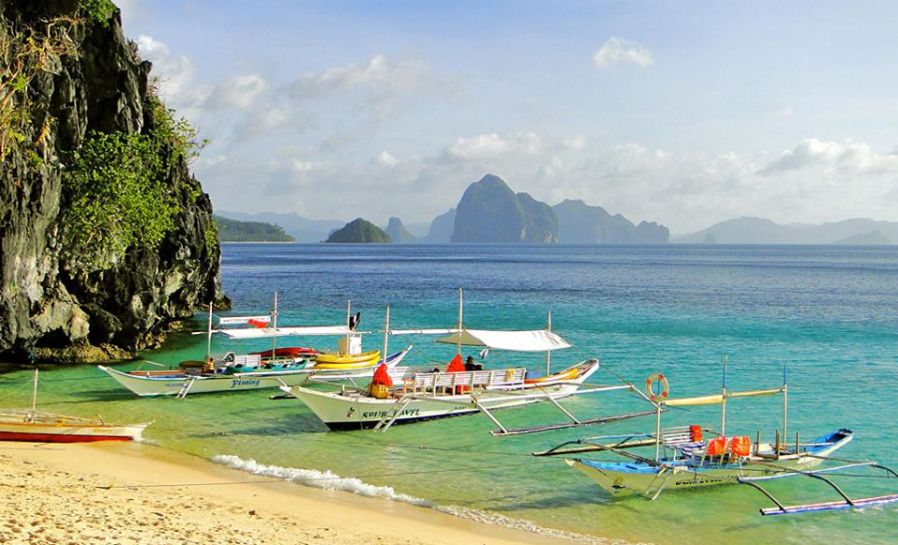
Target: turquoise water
x=829, y=313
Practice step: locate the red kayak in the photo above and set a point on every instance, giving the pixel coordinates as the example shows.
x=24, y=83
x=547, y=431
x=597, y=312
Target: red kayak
x=289, y=352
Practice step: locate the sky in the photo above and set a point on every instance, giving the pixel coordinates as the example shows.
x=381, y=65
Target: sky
x=685, y=113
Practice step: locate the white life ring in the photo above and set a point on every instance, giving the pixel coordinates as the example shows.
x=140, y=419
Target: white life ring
x=650, y=391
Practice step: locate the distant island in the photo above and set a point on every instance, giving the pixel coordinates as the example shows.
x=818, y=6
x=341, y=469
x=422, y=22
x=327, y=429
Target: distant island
x=489, y=211
x=752, y=230
x=359, y=231
x=250, y=231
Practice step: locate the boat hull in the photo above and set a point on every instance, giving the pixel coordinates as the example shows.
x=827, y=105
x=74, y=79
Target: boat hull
x=67, y=433
x=355, y=410
x=621, y=479
x=156, y=385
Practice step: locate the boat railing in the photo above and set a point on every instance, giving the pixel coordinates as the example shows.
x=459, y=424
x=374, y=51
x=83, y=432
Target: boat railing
x=456, y=382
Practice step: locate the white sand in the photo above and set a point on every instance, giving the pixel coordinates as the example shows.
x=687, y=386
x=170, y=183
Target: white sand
x=110, y=493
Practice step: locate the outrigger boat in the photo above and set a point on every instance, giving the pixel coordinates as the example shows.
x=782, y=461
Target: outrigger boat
x=423, y=396
x=684, y=459
x=39, y=426
x=252, y=372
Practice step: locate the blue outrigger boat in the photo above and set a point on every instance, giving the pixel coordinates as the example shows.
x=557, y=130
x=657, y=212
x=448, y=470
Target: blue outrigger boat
x=685, y=459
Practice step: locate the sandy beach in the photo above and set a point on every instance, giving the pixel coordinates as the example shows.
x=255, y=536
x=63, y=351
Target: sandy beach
x=128, y=493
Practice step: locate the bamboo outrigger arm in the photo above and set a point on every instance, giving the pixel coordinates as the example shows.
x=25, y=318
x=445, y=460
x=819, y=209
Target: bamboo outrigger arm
x=847, y=502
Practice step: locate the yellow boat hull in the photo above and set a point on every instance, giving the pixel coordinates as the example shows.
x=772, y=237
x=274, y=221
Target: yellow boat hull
x=355, y=361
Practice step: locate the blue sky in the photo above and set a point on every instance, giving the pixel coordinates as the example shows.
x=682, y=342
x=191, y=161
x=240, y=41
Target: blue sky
x=685, y=113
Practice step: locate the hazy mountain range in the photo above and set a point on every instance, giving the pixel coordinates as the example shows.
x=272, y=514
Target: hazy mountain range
x=749, y=230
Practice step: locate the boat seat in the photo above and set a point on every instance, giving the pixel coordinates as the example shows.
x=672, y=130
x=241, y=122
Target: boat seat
x=441, y=381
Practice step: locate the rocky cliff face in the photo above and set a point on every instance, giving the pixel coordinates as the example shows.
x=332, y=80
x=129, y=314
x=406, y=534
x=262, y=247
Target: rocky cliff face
x=441, y=228
x=56, y=302
x=580, y=223
x=489, y=211
x=397, y=231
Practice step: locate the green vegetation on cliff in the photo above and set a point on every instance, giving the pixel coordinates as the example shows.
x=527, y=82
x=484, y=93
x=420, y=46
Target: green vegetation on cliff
x=250, y=231
x=105, y=236
x=359, y=230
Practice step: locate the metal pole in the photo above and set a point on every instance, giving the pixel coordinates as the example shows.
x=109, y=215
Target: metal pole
x=549, y=352
x=657, y=431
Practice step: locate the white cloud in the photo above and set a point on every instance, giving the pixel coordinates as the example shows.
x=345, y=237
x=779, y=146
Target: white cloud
x=173, y=71
x=845, y=157
x=575, y=143
x=239, y=92
x=385, y=159
x=380, y=76
x=619, y=51
x=490, y=146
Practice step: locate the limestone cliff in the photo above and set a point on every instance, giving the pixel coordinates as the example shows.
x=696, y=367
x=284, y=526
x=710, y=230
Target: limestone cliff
x=580, y=223
x=88, y=273
x=489, y=211
x=397, y=231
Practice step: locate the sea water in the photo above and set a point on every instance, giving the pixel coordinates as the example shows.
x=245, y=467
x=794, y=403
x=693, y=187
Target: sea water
x=826, y=314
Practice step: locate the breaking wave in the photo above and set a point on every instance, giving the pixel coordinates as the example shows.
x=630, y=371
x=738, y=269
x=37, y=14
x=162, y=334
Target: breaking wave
x=331, y=481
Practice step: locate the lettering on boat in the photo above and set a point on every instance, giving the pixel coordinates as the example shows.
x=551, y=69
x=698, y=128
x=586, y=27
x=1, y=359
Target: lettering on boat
x=240, y=383
x=382, y=414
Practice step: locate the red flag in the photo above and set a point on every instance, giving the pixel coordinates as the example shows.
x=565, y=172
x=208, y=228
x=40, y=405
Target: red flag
x=456, y=365
x=258, y=323
x=382, y=376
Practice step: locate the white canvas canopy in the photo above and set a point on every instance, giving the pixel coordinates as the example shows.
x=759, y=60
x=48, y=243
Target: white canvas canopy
x=539, y=340
x=267, y=332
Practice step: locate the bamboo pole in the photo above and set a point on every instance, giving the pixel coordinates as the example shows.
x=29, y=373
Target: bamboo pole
x=723, y=401
x=34, y=393
x=460, y=321
x=549, y=352
x=209, y=336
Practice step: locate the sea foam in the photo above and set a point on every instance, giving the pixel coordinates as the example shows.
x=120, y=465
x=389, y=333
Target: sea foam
x=320, y=479
x=329, y=480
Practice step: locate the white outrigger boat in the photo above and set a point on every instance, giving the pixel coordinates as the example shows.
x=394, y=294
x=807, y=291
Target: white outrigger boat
x=438, y=394
x=254, y=371
x=44, y=427
x=683, y=459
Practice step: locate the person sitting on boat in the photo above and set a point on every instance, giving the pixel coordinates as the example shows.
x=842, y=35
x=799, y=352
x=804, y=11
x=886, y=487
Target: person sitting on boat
x=470, y=365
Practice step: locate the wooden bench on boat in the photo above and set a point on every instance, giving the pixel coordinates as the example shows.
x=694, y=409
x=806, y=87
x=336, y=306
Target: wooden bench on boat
x=463, y=381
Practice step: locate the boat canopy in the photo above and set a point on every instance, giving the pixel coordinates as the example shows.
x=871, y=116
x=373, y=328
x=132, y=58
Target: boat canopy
x=539, y=340
x=442, y=331
x=302, y=331
x=238, y=320
x=717, y=399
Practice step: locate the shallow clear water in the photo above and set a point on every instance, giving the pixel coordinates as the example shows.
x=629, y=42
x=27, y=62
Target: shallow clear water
x=827, y=312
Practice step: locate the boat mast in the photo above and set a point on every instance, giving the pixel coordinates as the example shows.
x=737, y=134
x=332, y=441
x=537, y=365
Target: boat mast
x=786, y=407
x=549, y=352
x=348, y=325
x=274, y=319
x=34, y=393
x=657, y=429
x=460, y=316
x=386, y=333
x=209, y=336
x=723, y=399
